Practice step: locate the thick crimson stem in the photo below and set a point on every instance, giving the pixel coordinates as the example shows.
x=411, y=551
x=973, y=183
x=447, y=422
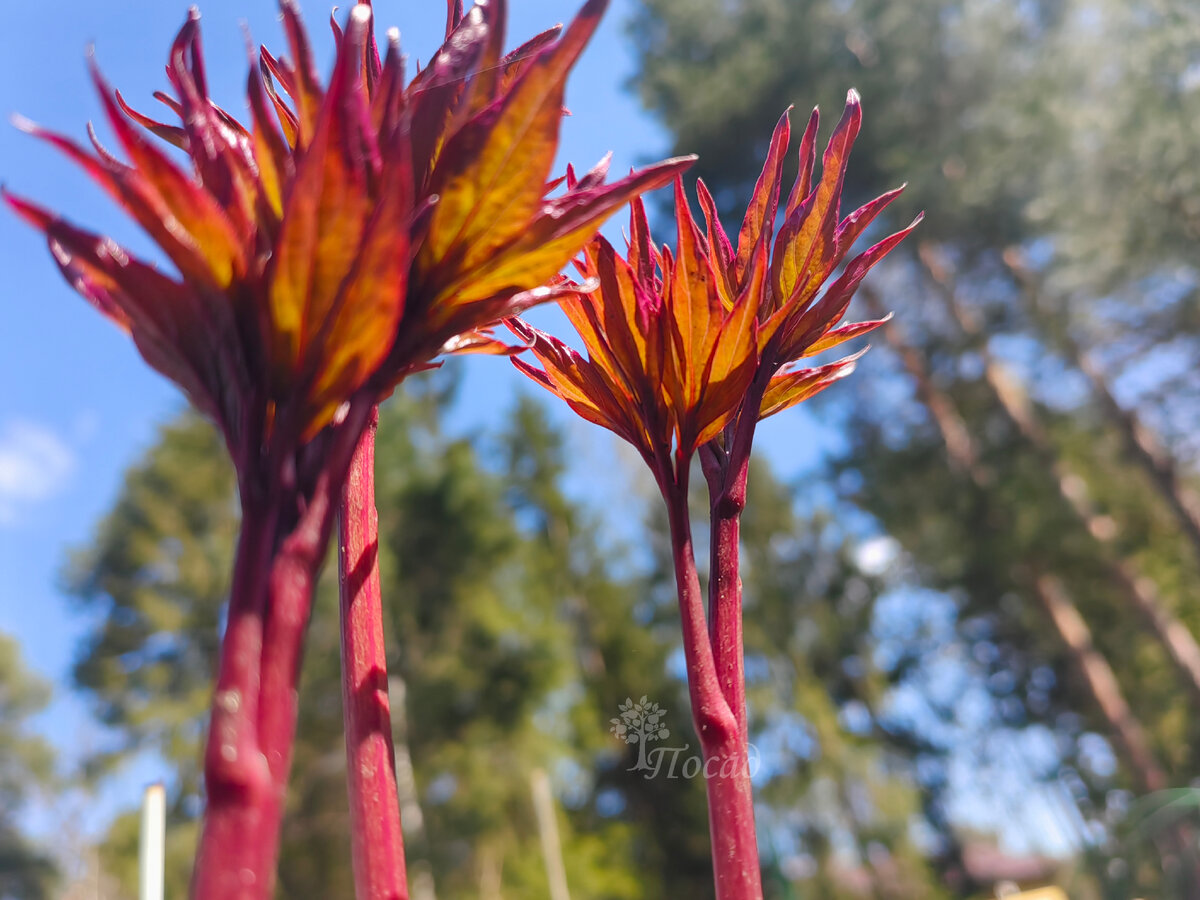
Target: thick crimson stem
x=375, y=834
x=253, y=727
x=726, y=769
x=238, y=842
x=293, y=572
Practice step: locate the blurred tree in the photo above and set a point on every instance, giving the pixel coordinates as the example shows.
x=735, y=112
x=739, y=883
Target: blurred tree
x=156, y=573
x=1053, y=145
x=719, y=73
x=26, y=762
x=1122, y=188
x=990, y=536
x=488, y=664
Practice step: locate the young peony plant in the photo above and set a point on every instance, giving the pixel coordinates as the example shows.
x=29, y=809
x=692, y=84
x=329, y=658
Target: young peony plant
x=345, y=238
x=686, y=352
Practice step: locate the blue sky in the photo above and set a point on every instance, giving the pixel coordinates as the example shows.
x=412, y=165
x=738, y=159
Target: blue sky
x=78, y=406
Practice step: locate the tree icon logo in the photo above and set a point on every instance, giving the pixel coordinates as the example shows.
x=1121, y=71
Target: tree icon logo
x=640, y=723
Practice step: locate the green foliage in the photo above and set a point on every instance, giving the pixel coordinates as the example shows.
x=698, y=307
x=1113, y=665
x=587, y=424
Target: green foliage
x=26, y=762
x=1123, y=187
x=623, y=631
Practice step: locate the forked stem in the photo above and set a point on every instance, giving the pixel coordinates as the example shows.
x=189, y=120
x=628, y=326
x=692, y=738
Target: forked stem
x=283, y=537
x=722, y=735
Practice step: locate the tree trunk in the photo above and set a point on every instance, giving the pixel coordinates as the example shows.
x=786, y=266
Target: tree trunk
x=1103, y=685
x=1141, y=444
x=1139, y=589
x=1072, y=630
x=421, y=883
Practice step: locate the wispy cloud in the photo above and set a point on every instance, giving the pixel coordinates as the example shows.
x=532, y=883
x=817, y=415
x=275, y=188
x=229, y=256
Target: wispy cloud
x=34, y=466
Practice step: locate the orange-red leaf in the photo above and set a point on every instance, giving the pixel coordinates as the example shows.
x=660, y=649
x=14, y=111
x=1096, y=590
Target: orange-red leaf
x=789, y=388
x=805, y=247
x=324, y=217
x=164, y=317
x=694, y=304
x=172, y=134
x=139, y=198
x=804, y=331
x=585, y=388
x=759, y=221
x=807, y=160
x=362, y=321
x=718, y=245
x=300, y=81
x=555, y=235
x=491, y=173
x=840, y=335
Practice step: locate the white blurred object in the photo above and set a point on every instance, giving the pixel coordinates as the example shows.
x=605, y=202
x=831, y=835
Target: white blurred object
x=1009, y=891
x=547, y=820
x=152, y=843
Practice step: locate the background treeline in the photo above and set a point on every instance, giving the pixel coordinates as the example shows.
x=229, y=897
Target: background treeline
x=970, y=629
x=514, y=637
x=1028, y=436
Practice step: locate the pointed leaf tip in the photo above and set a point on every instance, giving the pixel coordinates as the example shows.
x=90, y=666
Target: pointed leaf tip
x=23, y=124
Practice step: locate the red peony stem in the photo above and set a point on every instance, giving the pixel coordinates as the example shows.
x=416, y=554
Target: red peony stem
x=725, y=593
x=376, y=836
x=240, y=834
x=722, y=740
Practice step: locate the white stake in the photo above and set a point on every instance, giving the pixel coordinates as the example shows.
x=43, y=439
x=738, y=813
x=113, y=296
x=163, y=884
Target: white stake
x=547, y=821
x=152, y=843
